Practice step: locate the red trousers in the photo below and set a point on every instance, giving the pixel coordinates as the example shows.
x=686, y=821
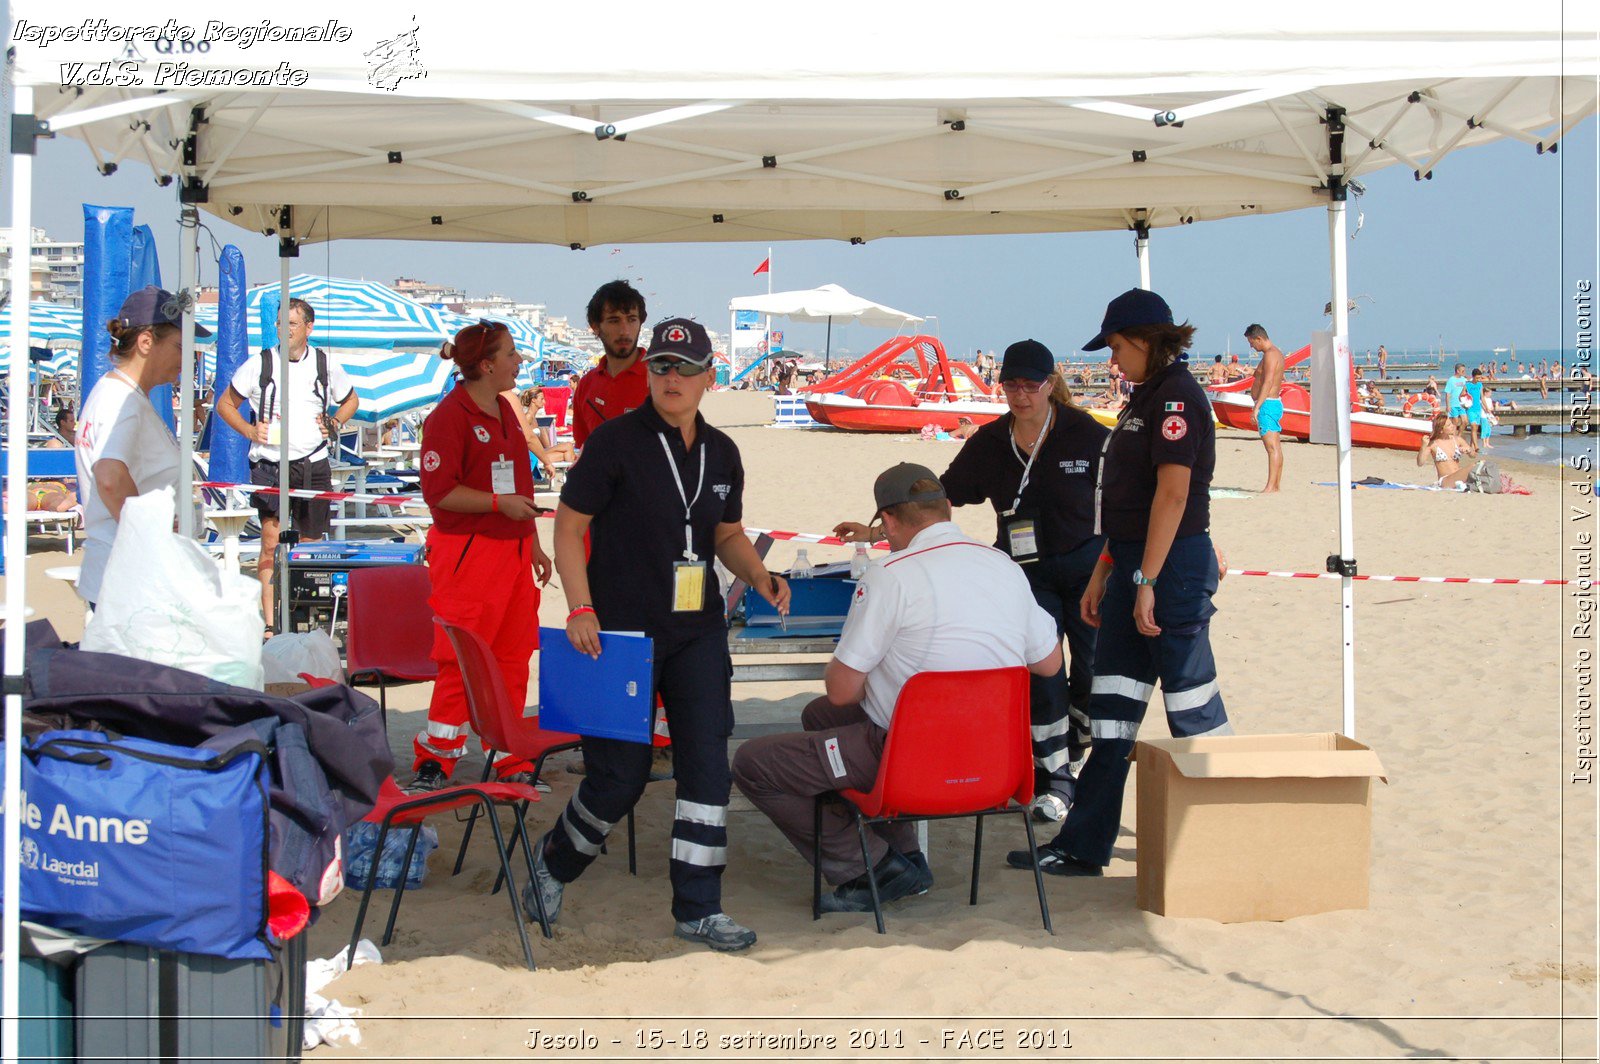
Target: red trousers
x=485, y=585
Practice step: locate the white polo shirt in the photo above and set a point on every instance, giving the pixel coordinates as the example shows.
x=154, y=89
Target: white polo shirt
x=946, y=602
x=303, y=404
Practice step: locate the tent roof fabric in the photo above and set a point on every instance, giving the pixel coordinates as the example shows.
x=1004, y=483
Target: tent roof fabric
x=1091, y=120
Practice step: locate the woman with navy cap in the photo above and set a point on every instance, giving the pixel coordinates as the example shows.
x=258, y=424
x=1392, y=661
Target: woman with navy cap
x=1150, y=594
x=122, y=446
x=1035, y=466
x=662, y=493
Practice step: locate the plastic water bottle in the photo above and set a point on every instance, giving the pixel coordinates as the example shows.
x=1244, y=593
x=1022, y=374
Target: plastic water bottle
x=858, y=562
x=802, y=566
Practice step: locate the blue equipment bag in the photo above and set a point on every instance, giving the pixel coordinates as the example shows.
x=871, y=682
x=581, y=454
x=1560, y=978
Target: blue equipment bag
x=145, y=842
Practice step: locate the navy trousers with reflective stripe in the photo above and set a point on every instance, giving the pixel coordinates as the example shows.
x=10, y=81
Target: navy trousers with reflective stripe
x=693, y=681
x=1060, y=703
x=1126, y=668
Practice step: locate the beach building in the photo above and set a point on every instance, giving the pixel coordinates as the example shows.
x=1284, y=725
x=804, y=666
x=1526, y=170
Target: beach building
x=57, y=268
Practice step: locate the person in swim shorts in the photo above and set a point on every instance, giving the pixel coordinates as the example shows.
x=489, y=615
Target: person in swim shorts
x=1269, y=408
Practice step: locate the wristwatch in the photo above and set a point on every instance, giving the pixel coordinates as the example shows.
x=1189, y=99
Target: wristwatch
x=1142, y=580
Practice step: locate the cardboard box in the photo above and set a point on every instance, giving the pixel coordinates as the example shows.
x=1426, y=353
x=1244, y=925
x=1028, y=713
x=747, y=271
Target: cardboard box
x=1254, y=827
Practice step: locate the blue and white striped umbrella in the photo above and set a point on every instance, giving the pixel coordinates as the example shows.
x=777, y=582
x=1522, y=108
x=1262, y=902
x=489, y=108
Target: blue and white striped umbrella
x=46, y=322
x=394, y=383
x=349, y=314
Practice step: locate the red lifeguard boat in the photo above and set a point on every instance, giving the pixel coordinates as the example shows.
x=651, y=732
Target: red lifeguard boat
x=1233, y=407
x=901, y=386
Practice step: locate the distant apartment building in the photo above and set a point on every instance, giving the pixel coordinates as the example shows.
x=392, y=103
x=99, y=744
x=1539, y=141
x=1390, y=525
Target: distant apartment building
x=56, y=275
x=495, y=305
x=438, y=296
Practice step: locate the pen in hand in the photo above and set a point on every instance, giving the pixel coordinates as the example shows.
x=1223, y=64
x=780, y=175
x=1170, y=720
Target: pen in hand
x=783, y=615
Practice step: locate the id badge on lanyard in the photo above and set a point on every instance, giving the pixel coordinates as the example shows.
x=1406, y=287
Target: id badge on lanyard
x=1021, y=537
x=1019, y=531
x=502, y=477
x=689, y=575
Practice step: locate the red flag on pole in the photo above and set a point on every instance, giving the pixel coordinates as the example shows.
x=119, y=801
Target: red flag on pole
x=766, y=265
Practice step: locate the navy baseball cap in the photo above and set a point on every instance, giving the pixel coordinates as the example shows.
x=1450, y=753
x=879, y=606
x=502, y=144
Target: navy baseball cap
x=155, y=306
x=680, y=338
x=1027, y=360
x=1136, y=306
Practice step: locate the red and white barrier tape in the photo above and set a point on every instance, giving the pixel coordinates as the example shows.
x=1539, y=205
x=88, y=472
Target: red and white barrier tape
x=1395, y=579
x=326, y=496
x=835, y=541
x=812, y=537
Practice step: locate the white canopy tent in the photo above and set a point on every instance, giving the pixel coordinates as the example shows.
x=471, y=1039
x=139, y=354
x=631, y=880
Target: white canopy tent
x=906, y=125
x=824, y=303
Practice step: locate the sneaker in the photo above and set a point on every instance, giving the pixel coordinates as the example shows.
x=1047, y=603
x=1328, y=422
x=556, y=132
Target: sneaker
x=661, y=765
x=898, y=877
x=1049, y=808
x=527, y=778
x=1053, y=862
x=550, y=888
x=719, y=931
x=429, y=778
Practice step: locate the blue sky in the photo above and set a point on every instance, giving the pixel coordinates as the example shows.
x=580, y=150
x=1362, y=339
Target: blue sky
x=1484, y=255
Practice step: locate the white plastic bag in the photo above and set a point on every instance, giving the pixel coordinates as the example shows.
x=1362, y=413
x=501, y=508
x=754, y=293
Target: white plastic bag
x=286, y=656
x=164, y=599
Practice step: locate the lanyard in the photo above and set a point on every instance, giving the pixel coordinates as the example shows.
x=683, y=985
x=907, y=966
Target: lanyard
x=1038, y=445
x=1100, y=471
x=688, y=503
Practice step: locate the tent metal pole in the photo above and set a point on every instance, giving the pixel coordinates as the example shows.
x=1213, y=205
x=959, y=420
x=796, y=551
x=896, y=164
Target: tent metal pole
x=827, y=350
x=1344, y=563
x=187, y=271
x=1141, y=248
x=285, y=516
x=16, y=545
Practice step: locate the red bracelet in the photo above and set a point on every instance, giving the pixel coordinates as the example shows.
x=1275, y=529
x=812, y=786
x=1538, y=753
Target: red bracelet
x=494, y=503
x=577, y=610
x=1107, y=558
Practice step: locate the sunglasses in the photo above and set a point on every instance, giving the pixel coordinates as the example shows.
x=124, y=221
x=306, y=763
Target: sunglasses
x=1022, y=387
x=663, y=366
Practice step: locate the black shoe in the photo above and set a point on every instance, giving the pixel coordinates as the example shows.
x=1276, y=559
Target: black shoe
x=526, y=777
x=429, y=778
x=898, y=877
x=1053, y=862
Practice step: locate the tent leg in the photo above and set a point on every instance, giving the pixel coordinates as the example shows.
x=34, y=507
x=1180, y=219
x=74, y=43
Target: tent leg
x=1141, y=249
x=16, y=549
x=1346, y=564
x=827, y=350
x=286, y=250
x=188, y=270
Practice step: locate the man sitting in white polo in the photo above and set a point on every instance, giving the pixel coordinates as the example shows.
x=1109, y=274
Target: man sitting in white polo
x=940, y=602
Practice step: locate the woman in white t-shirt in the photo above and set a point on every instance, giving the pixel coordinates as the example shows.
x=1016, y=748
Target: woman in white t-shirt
x=123, y=447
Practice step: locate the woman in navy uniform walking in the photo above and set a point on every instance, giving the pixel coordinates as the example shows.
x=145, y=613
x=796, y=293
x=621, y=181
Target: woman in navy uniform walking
x=1150, y=595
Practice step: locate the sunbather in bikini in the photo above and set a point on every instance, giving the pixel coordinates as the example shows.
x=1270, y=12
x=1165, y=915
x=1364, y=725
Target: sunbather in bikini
x=1445, y=447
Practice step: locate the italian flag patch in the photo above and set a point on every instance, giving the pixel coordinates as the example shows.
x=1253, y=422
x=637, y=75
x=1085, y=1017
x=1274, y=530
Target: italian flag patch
x=1174, y=408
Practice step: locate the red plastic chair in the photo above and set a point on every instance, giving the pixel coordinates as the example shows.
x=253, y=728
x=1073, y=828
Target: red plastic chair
x=958, y=746
x=390, y=638
x=499, y=722
x=395, y=808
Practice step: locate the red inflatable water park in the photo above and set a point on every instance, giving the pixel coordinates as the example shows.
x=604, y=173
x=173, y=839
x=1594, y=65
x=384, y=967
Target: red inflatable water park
x=901, y=386
x=1233, y=407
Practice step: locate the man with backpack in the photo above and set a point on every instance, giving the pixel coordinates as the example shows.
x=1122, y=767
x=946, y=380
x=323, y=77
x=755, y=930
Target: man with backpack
x=316, y=381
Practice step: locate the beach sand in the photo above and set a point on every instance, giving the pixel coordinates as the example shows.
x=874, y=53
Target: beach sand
x=1480, y=935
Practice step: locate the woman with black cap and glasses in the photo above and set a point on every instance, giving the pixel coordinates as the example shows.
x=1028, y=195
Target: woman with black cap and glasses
x=123, y=448
x=1035, y=465
x=661, y=494
x=1150, y=595
x=483, y=551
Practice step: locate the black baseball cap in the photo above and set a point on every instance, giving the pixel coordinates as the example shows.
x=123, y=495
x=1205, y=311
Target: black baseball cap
x=680, y=338
x=1136, y=306
x=1027, y=360
x=155, y=306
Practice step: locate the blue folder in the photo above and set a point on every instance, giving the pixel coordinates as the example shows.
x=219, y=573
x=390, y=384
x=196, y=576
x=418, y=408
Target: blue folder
x=608, y=697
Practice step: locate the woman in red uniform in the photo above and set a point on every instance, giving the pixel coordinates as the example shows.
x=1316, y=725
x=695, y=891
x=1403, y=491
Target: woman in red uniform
x=482, y=548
